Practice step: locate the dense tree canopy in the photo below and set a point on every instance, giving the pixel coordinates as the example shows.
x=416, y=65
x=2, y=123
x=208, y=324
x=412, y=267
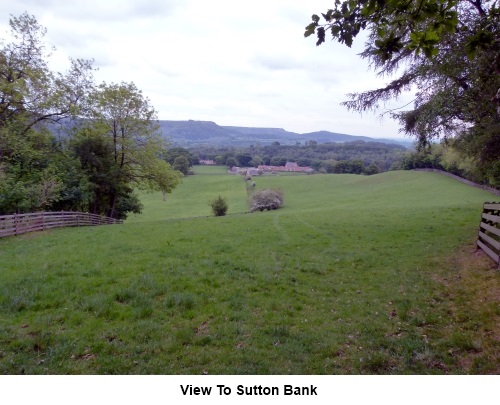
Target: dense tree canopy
x=110, y=143
x=328, y=157
x=33, y=169
x=180, y=159
x=30, y=91
x=447, y=51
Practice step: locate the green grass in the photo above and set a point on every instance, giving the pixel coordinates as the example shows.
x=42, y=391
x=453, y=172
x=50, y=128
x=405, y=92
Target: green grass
x=192, y=198
x=355, y=274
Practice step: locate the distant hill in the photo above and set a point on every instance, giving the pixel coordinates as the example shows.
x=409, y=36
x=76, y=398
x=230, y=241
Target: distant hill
x=326, y=136
x=198, y=133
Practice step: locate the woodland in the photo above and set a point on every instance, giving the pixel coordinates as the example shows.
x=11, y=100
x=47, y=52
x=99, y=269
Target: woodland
x=444, y=52
x=111, y=148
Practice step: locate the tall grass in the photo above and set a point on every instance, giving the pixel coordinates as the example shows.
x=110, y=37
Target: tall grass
x=354, y=275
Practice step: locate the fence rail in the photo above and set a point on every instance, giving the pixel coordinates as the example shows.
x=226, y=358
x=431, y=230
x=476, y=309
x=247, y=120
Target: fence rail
x=488, y=238
x=17, y=224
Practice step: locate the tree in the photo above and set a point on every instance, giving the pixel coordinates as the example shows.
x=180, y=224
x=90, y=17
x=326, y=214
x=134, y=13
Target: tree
x=32, y=99
x=303, y=161
x=372, y=169
x=111, y=144
x=219, y=206
x=343, y=166
x=358, y=167
x=329, y=166
x=231, y=161
x=278, y=161
x=219, y=160
x=30, y=92
x=172, y=153
x=243, y=159
x=126, y=122
x=181, y=164
x=448, y=50
x=163, y=177
x=256, y=161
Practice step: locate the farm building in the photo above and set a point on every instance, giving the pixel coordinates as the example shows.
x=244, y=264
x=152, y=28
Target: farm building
x=289, y=167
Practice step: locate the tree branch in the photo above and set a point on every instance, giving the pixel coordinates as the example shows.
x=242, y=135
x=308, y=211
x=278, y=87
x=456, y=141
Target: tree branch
x=477, y=4
x=61, y=115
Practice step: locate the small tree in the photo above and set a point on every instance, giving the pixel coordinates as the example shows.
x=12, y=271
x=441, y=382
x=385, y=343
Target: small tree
x=219, y=206
x=181, y=164
x=231, y=162
x=266, y=199
x=372, y=169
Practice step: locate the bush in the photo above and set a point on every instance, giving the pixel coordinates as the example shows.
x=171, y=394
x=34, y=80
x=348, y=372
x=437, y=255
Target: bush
x=266, y=199
x=219, y=206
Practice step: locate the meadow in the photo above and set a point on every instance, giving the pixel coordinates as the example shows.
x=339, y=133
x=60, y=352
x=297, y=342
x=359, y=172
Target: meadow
x=354, y=275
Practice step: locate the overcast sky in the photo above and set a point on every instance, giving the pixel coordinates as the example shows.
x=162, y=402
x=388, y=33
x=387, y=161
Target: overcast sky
x=234, y=63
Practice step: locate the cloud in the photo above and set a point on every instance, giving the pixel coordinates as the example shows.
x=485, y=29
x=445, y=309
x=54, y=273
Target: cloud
x=279, y=62
x=109, y=10
x=212, y=60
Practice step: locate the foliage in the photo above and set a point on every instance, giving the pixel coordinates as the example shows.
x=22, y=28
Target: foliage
x=343, y=166
x=243, y=159
x=219, y=206
x=266, y=199
x=181, y=164
x=31, y=97
x=256, y=161
x=31, y=92
x=372, y=169
x=396, y=26
x=444, y=156
x=359, y=154
x=446, y=50
x=110, y=143
x=231, y=161
x=124, y=123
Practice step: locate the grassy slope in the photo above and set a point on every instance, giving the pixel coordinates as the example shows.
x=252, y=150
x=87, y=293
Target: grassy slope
x=192, y=197
x=354, y=275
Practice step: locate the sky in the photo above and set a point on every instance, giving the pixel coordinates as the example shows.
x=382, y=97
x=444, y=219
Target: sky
x=245, y=64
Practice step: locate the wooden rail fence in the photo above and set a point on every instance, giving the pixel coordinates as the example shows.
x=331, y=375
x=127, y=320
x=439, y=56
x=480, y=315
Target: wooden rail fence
x=489, y=231
x=18, y=224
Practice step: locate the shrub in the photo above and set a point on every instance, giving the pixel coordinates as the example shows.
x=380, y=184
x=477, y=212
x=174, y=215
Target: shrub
x=219, y=206
x=267, y=199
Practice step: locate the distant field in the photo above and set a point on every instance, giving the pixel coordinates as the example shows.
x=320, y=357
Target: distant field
x=354, y=275
x=192, y=197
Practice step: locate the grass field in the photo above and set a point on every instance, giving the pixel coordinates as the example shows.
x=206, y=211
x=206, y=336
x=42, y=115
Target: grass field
x=354, y=275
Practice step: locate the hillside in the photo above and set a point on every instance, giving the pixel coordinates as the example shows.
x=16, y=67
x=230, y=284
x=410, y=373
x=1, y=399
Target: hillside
x=197, y=133
x=355, y=275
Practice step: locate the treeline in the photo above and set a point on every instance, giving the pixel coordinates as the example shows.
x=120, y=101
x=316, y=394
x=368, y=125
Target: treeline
x=445, y=156
x=112, y=146
x=350, y=157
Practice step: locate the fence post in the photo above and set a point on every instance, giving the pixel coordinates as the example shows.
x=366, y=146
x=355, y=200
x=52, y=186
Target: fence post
x=488, y=238
x=15, y=223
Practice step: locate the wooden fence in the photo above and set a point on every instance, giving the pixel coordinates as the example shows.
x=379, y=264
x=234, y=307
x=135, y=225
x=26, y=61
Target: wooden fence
x=18, y=224
x=489, y=231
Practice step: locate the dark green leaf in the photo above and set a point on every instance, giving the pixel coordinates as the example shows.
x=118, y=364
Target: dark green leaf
x=321, y=36
x=310, y=29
